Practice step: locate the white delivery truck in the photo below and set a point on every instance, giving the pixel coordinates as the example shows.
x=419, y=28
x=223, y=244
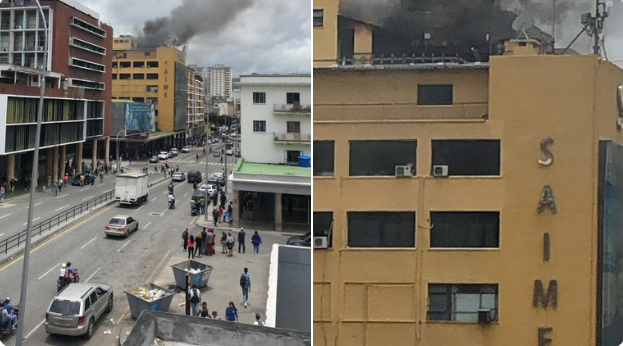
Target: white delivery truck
x=131, y=188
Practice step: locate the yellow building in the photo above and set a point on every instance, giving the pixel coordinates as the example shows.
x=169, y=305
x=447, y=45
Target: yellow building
x=196, y=100
x=468, y=204
x=154, y=75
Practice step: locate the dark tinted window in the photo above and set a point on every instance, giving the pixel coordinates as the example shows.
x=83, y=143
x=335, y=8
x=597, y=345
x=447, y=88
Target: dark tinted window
x=318, y=18
x=465, y=229
x=468, y=157
x=381, y=229
x=116, y=221
x=93, y=297
x=324, y=159
x=292, y=98
x=87, y=304
x=461, y=302
x=437, y=94
x=322, y=224
x=65, y=308
x=380, y=157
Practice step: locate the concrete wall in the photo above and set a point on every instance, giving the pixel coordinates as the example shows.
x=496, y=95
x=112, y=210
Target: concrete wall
x=293, y=289
x=325, y=37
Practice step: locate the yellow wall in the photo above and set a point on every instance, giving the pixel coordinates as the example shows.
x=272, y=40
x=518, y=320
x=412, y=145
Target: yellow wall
x=379, y=296
x=166, y=58
x=325, y=38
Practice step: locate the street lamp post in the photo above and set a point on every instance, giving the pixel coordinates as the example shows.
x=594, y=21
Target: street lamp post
x=205, y=215
x=119, y=163
x=35, y=167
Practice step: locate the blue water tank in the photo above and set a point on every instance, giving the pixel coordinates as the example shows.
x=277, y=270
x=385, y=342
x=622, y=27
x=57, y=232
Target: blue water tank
x=304, y=161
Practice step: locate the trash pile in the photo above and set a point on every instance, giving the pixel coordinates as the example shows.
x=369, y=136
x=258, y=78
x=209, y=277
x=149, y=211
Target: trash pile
x=193, y=271
x=149, y=295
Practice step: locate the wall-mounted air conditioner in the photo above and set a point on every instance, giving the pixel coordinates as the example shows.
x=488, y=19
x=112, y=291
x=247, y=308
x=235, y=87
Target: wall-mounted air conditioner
x=403, y=171
x=486, y=316
x=321, y=242
x=440, y=171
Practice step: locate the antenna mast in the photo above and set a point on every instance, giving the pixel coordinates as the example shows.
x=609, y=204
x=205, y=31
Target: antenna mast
x=594, y=24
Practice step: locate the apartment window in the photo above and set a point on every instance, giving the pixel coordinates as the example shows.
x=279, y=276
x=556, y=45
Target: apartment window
x=114, y=64
x=259, y=126
x=323, y=224
x=87, y=65
x=324, y=160
x=87, y=84
x=259, y=98
x=465, y=229
x=124, y=76
x=78, y=43
x=381, y=229
x=87, y=27
x=114, y=76
x=294, y=126
x=151, y=88
x=434, y=94
x=138, y=76
x=318, y=18
x=292, y=156
x=468, y=157
x=293, y=98
x=138, y=99
x=461, y=302
x=147, y=53
x=139, y=64
x=125, y=64
x=380, y=158
x=152, y=76
x=152, y=64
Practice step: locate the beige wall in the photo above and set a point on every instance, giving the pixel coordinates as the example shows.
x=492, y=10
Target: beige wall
x=379, y=296
x=325, y=38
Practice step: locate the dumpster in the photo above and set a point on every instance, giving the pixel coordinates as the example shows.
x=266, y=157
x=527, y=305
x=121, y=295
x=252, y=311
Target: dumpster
x=149, y=297
x=199, y=273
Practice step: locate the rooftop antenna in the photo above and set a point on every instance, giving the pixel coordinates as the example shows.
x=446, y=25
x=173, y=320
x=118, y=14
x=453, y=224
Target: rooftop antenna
x=554, y=25
x=593, y=25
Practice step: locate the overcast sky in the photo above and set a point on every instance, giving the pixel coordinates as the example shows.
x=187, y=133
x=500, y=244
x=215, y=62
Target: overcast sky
x=270, y=36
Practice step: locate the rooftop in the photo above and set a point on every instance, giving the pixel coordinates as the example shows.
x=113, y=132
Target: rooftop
x=271, y=169
x=277, y=75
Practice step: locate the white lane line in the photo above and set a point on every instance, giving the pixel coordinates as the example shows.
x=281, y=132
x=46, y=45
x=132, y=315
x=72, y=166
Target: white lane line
x=186, y=194
x=87, y=197
x=165, y=210
x=63, y=207
x=126, y=243
x=62, y=196
x=92, y=275
x=86, y=188
x=155, y=198
x=34, y=329
x=33, y=220
x=140, y=208
x=164, y=193
x=1, y=234
x=149, y=223
x=90, y=241
x=40, y=203
x=2, y=217
x=48, y=272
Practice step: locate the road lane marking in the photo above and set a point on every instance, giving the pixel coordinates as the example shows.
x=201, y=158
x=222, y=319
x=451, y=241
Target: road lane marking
x=155, y=198
x=48, y=272
x=186, y=194
x=92, y=275
x=63, y=207
x=126, y=243
x=149, y=223
x=40, y=203
x=157, y=267
x=165, y=210
x=2, y=217
x=86, y=188
x=33, y=220
x=1, y=234
x=32, y=331
x=62, y=196
x=121, y=317
x=164, y=193
x=87, y=197
x=90, y=241
x=140, y=208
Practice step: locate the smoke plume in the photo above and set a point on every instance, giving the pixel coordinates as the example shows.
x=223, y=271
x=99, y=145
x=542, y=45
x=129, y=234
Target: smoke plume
x=191, y=18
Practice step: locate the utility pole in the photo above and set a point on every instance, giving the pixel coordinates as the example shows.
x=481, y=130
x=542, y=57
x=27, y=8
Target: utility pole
x=205, y=216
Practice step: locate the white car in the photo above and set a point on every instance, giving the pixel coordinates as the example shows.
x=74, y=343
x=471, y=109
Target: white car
x=178, y=176
x=209, y=187
x=163, y=155
x=186, y=149
x=174, y=151
x=229, y=151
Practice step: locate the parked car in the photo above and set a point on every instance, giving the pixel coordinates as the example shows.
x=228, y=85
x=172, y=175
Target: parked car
x=229, y=151
x=216, y=153
x=210, y=187
x=76, y=309
x=163, y=155
x=154, y=159
x=121, y=225
x=174, y=151
x=300, y=240
x=186, y=149
x=178, y=176
x=76, y=180
x=170, y=155
x=194, y=177
x=217, y=177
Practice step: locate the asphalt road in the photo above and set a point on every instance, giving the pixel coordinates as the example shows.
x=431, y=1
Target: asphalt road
x=122, y=263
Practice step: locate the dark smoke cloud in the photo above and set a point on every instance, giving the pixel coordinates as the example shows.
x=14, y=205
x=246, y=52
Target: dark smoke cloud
x=191, y=18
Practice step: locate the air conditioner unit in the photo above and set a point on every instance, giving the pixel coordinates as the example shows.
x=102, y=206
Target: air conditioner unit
x=440, y=171
x=321, y=242
x=404, y=171
x=485, y=316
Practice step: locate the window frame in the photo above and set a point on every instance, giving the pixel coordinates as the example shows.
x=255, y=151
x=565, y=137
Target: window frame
x=318, y=20
x=465, y=229
x=290, y=96
x=324, y=233
x=420, y=91
x=378, y=142
x=382, y=216
x=318, y=173
x=262, y=128
x=451, y=291
x=261, y=98
x=437, y=157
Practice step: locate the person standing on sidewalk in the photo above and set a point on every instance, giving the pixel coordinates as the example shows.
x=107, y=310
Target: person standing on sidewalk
x=224, y=242
x=215, y=216
x=204, y=242
x=195, y=299
x=250, y=209
x=185, y=238
x=231, y=241
x=2, y=191
x=209, y=242
x=256, y=241
x=231, y=312
x=198, y=240
x=241, y=244
x=191, y=247
x=245, y=284
x=230, y=213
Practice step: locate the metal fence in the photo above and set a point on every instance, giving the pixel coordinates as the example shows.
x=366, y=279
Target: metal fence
x=18, y=239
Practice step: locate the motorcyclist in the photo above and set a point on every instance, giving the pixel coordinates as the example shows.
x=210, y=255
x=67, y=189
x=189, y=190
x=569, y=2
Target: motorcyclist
x=171, y=199
x=8, y=316
x=71, y=272
x=63, y=274
x=171, y=187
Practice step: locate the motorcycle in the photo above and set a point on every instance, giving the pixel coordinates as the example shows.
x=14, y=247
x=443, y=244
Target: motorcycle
x=171, y=202
x=61, y=283
x=6, y=329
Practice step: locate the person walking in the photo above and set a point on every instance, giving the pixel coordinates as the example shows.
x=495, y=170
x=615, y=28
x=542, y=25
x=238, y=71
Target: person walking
x=198, y=243
x=230, y=213
x=209, y=243
x=258, y=322
x=195, y=299
x=256, y=240
x=2, y=191
x=224, y=242
x=191, y=247
x=185, y=238
x=250, y=209
x=204, y=242
x=245, y=284
x=231, y=312
x=65, y=178
x=241, y=244
x=215, y=216
x=231, y=241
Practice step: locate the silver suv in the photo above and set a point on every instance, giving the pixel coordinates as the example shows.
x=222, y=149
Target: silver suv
x=77, y=308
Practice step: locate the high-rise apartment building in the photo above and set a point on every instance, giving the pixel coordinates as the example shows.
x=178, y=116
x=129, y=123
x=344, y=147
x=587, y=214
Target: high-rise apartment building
x=78, y=86
x=466, y=202
x=220, y=81
x=196, y=99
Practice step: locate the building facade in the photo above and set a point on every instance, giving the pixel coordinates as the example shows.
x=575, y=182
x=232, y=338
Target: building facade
x=220, y=81
x=196, y=100
x=276, y=127
x=460, y=204
x=78, y=87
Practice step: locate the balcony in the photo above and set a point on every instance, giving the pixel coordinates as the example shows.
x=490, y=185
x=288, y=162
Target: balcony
x=292, y=138
x=397, y=111
x=292, y=109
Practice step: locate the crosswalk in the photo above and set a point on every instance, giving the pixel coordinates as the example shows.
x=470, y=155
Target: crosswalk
x=190, y=161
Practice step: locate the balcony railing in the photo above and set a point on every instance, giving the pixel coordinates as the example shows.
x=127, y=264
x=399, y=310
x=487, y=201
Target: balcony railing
x=292, y=137
x=292, y=108
x=406, y=111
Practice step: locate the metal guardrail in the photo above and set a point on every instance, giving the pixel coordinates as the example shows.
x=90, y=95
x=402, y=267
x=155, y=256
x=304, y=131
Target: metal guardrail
x=17, y=239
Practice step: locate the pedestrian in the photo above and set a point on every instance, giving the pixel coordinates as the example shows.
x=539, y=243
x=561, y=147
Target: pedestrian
x=215, y=216
x=203, y=311
x=101, y=177
x=231, y=241
x=209, y=242
x=257, y=320
x=12, y=182
x=65, y=178
x=224, y=242
x=81, y=180
x=241, y=244
x=230, y=213
x=221, y=213
x=2, y=191
x=223, y=198
x=231, y=312
x=185, y=238
x=256, y=241
x=191, y=247
x=197, y=158
x=245, y=284
x=55, y=190
x=93, y=177
x=250, y=209
x=49, y=181
x=202, y=204
x=204, y=242
x=195, y=299
x=198, y=240
x=215, y=315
